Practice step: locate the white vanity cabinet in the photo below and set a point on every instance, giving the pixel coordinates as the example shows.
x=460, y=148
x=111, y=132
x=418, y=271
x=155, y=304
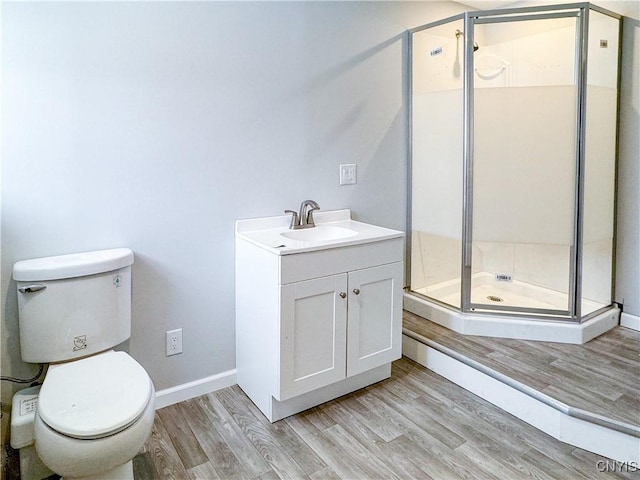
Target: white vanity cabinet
x=338, y=326
x=316, y=324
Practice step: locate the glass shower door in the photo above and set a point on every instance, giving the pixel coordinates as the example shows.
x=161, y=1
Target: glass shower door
x=599, y=164
x=523, y=164
x=436, y=161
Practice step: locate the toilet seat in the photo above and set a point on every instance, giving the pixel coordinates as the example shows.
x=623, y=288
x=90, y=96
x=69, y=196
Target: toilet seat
x=94, y=397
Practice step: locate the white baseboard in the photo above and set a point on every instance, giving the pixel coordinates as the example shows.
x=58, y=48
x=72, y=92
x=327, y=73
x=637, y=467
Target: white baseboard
x=630, y=321
x=180, y=393
x=575, y=431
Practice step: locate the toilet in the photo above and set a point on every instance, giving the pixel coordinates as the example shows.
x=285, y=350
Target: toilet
x=96, y=406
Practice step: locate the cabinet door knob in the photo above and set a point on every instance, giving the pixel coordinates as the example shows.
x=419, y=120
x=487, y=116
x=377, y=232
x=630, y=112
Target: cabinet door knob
x=356, y=291
x=343, y=295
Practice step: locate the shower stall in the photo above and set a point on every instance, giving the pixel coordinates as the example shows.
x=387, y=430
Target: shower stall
x=513, y=143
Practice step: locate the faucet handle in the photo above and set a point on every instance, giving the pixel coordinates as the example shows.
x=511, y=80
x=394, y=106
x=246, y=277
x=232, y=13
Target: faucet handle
x=294, y=218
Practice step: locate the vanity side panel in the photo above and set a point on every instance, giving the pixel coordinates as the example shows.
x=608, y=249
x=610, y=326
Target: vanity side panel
x=322, y=263
x=257, y=323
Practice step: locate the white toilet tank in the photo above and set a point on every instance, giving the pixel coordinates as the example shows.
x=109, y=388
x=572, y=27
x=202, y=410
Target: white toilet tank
x=71, y=306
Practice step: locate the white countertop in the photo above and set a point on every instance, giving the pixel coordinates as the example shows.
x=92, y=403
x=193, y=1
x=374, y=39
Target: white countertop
x=267, y=232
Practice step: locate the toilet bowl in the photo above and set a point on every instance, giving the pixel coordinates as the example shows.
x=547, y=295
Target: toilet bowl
x=93, y=415
x=96, y=406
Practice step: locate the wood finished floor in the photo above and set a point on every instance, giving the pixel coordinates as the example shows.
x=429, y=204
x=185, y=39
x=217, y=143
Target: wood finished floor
x=601, y=376
x=414, y=425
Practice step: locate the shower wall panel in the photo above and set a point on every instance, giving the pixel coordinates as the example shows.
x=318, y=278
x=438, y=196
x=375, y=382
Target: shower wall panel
x=524, y=165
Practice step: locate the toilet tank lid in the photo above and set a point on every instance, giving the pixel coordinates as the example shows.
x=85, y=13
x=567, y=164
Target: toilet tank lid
x=73, y=265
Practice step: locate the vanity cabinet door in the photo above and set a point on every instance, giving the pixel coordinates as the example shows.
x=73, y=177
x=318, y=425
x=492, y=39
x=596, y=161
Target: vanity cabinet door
x=313, y=330
x=375, y=317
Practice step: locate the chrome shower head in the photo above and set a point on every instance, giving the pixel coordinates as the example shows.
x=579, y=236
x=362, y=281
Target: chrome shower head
x=460, y=33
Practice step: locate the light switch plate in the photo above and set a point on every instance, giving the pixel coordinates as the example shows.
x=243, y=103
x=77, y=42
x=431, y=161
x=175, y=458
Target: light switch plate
x=348, y=174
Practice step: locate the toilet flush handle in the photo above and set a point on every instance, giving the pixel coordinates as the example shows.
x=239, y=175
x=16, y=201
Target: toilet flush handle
x=31, y=288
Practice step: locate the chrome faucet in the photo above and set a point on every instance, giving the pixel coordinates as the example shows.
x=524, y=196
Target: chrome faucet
x=303, y=218
x=306, y=213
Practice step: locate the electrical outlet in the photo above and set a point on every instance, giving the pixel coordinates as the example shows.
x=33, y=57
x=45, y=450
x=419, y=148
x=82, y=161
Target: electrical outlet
x=174, y=342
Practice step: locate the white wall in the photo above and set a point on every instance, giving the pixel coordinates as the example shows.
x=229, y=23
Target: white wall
x=156, y=125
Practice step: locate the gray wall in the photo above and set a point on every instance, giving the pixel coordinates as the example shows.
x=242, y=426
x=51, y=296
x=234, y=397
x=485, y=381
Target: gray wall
x=156, y=125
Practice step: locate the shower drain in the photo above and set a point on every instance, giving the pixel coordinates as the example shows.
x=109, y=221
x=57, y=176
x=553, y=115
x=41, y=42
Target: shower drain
x=495, y=298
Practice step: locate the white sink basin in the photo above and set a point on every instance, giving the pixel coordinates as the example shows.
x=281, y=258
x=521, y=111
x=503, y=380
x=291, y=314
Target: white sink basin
x=334, y=228
x=319, y=233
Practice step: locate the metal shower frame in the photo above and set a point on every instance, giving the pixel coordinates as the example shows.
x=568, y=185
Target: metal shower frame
x=581, y=12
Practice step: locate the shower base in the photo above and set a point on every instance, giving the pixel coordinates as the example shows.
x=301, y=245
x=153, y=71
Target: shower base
x=485, y=290
x=543, y=328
